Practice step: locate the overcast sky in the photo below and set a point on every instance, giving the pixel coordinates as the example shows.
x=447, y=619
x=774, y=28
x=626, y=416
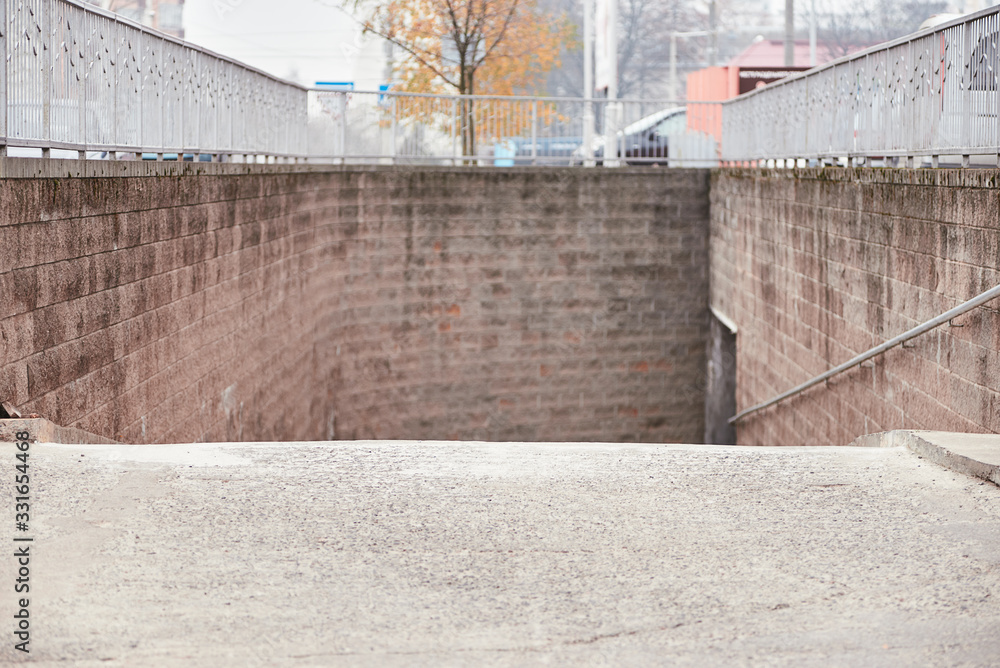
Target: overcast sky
x=314, y=40
x=304, y=40
x=308, y=40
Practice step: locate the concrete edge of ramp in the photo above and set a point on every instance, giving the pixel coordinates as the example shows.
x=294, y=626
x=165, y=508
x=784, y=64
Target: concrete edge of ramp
x=45, y=431
x=976, y=455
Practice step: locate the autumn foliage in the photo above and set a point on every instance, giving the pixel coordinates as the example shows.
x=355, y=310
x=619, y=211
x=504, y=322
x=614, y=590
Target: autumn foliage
x=486, y=47
x=498, y=47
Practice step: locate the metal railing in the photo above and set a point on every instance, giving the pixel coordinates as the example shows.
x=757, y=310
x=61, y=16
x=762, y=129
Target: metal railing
x=922, y=328
x=933, y=93
x=79, y=78
x=414, y=128
x=75, y=77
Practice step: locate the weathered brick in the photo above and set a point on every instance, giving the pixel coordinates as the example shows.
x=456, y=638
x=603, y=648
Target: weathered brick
x=377, y=303
x=873, y=252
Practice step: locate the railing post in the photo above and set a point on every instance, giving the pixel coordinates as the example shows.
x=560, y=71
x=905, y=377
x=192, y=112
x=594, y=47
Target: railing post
x=343, y=128
x=394, y=114
x=115, y=137
x=84, y=26
x=534, y=133
x=142, y=94
x=47, y=65
x=611, y=123
x=965, y=134
x=996, y=88
x=454, y=131
x=4, y=76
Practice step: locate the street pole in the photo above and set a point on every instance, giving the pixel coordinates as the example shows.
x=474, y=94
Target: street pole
x=588, y=82
x=812, y=34
x=673, y=67
x=714, y=37
x=613, y=49
x=789, y=33
x=674, y=87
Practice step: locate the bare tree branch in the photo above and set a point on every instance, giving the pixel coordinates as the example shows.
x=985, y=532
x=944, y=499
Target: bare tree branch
x=408, y=48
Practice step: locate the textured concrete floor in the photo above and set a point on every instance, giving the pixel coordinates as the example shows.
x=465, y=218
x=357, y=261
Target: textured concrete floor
x=427, y=554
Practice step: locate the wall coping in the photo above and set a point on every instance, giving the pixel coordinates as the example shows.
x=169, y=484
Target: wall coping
x=33, y=168
x=947, y=178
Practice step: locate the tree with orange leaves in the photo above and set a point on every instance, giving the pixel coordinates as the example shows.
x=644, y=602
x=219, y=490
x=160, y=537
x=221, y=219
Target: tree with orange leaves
x=496, y=47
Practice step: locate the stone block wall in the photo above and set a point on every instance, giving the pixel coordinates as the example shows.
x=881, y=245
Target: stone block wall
x=176, y=303
x=817, y=266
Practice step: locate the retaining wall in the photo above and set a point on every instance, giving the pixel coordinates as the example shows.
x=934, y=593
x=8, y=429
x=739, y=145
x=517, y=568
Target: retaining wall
x=176, y=303
x=816, y=266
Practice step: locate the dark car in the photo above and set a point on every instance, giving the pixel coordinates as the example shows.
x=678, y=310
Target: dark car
x=645, y=142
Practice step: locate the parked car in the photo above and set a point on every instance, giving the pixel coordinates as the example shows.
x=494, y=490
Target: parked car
x=645, y=142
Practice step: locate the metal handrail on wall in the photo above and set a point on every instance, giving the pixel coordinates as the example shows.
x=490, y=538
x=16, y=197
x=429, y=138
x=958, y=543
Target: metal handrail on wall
x=923, y=328
x=932, y=93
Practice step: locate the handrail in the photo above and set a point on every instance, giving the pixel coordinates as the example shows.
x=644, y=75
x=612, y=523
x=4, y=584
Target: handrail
x=857, y=55
x=928, y=93
x=990, y=294
x=76, y=77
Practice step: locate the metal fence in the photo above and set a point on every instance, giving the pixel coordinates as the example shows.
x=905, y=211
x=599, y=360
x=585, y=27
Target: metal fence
x=393, y=127
x=76, y=77
x=933, y=93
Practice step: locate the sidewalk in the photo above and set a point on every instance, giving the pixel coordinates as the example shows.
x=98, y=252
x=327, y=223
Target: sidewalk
x=426, y=553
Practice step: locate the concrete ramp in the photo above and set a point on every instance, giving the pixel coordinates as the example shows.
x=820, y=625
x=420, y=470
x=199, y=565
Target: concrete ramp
x=430, y=553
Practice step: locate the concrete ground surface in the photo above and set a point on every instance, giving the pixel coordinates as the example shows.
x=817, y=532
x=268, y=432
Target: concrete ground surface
x=468, y=554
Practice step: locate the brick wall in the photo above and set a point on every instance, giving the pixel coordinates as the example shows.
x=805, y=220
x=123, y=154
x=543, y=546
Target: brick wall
x=816, y=266
x=174, y=303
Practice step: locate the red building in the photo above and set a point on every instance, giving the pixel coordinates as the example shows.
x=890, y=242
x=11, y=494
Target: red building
x=760, y=64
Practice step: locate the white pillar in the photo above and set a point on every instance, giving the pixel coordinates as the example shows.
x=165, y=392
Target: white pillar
x=612, y=116
x=588, y=81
